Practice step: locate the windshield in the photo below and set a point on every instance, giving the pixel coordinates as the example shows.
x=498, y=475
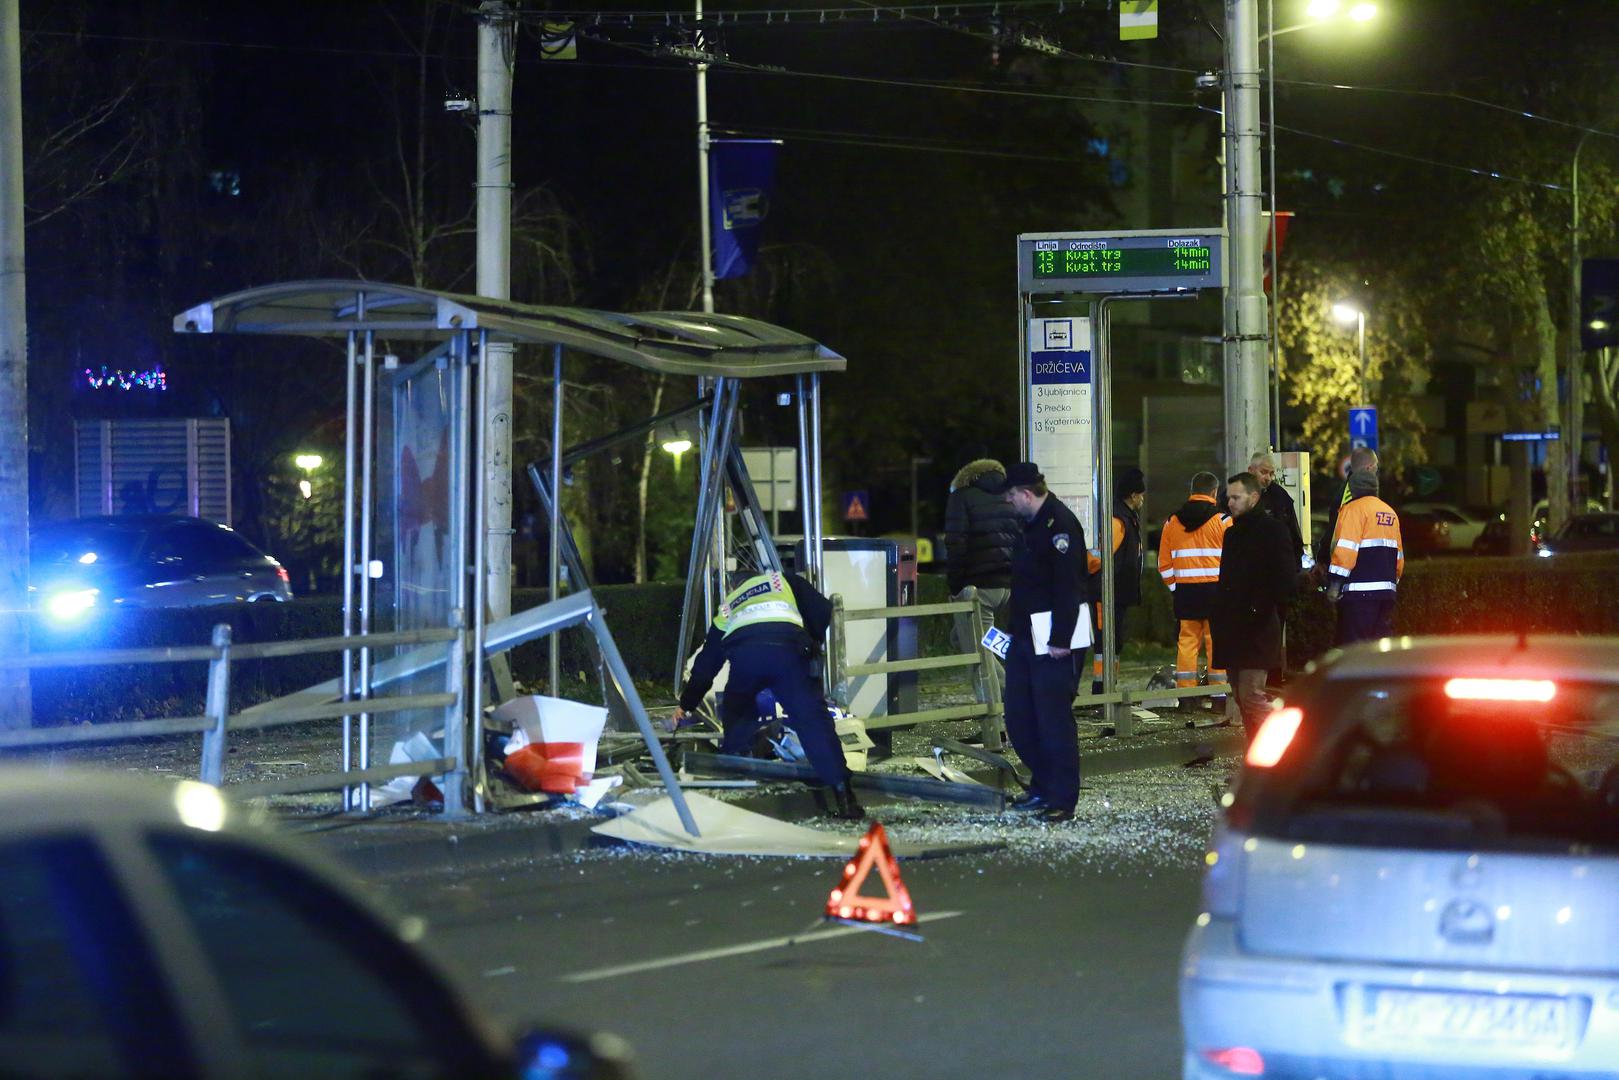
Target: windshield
x=85, y=545
x=1437, y=761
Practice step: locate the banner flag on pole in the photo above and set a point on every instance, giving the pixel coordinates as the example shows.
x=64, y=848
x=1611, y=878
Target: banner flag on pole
x=1138, y=20
x=741, y=175
x=1283, y=218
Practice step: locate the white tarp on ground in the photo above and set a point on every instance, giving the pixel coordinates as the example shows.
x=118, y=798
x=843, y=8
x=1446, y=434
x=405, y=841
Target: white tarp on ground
x=731, y=830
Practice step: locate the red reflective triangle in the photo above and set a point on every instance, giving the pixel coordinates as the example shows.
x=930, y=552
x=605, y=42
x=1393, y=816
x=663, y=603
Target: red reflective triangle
x=856, y=510
x=845, y=901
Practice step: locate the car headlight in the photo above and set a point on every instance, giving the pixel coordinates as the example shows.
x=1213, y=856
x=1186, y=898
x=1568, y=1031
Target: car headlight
x=70, y=604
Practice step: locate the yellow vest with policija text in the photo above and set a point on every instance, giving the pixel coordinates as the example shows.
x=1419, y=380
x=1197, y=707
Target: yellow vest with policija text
x=764, y=598
x=1366, y=549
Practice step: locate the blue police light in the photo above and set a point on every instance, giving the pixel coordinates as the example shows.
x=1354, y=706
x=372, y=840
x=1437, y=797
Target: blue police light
x=70, y=605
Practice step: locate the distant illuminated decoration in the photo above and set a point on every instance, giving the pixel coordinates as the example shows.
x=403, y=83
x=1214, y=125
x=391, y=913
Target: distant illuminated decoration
x=117, y=379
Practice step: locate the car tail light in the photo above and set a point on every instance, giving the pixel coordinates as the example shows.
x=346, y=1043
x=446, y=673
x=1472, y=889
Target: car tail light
x=1535, y=690
x=1237, y=1060
x=1275, y=736
x=281, y=572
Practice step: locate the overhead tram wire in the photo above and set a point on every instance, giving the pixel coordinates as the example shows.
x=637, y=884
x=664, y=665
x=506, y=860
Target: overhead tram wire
x=896, y=142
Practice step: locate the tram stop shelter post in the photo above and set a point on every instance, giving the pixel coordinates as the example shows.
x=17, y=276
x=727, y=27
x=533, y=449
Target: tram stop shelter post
x=413, y=530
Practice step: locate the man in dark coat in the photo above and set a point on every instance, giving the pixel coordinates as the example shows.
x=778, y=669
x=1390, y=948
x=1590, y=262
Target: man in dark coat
x=980, y=534
x=1129, y=495
x=1275, y=501
x=1257, y=572
x=1051, y=632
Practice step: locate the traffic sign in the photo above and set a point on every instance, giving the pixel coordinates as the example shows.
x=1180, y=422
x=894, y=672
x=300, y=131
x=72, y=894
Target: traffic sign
x=1363, y=427
x=854, y=505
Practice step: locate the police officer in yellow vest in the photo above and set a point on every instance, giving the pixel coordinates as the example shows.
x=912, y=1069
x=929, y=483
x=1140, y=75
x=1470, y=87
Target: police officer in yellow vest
x=768, y=629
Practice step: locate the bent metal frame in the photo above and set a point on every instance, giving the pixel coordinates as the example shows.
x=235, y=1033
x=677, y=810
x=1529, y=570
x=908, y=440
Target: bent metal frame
x=455, y=332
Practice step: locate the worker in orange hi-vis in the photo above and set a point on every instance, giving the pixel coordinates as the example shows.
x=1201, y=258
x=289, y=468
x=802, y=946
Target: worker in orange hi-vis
x=1368, y=561
x=1189, y=562
x=1129, y=494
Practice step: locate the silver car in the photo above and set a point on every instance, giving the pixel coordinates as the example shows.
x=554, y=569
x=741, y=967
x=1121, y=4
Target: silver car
x=1417, y=874
x=147, y=930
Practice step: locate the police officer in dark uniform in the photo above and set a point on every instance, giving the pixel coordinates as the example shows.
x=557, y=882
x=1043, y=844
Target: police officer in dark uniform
x=768, y=629
x=1049, y=593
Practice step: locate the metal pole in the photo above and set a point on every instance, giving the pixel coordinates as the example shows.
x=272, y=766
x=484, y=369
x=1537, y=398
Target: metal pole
x=1275, y=309
x=494, y=279
x=14, y=693
x=218, y=709
x=804, y=476
x=455, y=727
x=1247, y=390
x=1360, y=333
x=1118, y=714
x=480, y=567
x=555, y=580
x=348, y=556
x=704, y=224
x=1574, y=432
x=815, y=436
x=367, y=458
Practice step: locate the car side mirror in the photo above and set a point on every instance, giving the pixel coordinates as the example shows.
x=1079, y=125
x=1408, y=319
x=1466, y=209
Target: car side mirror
x=551, y=1054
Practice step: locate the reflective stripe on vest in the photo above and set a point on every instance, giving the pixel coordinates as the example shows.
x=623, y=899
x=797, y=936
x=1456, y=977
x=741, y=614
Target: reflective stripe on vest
x=766, y=598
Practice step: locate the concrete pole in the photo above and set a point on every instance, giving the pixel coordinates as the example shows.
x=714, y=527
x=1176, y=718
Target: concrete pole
x=1573, y=429
x=705, y=224
x=14, y=697
x=1247, y=389
x=496, y=43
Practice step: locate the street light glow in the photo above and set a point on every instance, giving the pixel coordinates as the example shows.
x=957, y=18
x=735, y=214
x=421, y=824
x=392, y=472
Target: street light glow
x=1598, y=324
x=1363, y=12
x=677, y=446
x=308, y=462
x=1346, y=312
x=1322, y=9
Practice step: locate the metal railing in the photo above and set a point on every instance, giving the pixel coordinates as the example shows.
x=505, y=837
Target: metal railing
x=462, y=765
x=988, y=710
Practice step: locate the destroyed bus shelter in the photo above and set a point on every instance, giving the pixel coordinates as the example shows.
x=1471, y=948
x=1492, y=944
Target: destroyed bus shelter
x=415, y=543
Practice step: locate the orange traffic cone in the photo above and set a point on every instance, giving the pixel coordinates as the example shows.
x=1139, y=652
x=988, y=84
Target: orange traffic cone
x=846, y=904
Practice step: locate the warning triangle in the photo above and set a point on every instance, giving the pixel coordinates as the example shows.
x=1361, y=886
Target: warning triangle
x=845, y=901
x=856, y=510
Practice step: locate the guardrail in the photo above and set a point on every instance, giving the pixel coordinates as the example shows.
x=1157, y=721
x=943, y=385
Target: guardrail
x=317, y=702
x=216, y=723
x=988, y=710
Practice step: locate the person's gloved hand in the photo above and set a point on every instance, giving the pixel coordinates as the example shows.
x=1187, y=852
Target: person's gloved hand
x=676, y=720
x=1335, y=589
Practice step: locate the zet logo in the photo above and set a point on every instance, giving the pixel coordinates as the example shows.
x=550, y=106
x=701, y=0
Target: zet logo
x=745, y=208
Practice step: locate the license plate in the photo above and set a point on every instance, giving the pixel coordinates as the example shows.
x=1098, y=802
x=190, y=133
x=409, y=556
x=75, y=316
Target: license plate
x=1461, y=1018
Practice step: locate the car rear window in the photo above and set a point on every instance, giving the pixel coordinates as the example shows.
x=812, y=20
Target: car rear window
x=1439, y=763
x=101, y=545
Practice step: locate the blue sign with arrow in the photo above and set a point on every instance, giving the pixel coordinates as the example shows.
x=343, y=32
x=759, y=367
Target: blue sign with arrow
x=1363, y=427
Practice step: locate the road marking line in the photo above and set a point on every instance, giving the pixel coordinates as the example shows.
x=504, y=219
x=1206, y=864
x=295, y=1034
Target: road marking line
x=731, y=950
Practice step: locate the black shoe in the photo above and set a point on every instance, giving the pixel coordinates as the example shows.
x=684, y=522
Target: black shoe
x=1027, y=804
x=1056, y=815
x=848, y=806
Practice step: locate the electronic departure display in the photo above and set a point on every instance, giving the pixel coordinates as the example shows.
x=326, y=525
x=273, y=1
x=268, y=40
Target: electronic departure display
x=1126, y=262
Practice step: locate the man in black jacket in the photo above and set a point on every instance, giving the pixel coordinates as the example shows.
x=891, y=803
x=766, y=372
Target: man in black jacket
x=980, y=534
x=767, y=629
x=1129, y=495
x=1051, y=632
x=1257, y=572
x=1275, y=501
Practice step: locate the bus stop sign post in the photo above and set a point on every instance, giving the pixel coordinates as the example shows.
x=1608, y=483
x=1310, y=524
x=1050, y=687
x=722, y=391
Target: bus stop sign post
x=1065, y=390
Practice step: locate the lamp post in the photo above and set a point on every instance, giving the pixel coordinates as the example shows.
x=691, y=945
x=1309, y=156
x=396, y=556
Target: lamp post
x=1319, y=12
x=308, y=462
x=677, y=443
x=1574, y=425
x=1347, y=312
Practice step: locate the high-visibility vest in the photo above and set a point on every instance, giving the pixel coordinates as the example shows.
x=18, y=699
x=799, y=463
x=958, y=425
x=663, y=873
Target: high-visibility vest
x=1366, y=548
x=1192, y=558
x=764, y=598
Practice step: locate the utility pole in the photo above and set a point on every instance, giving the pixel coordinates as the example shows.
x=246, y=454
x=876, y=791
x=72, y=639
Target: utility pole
x=1247, y=385
x=496, y=42
x=14, y=697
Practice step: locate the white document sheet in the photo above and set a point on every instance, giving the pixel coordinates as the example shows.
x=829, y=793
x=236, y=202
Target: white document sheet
x=1040, y=630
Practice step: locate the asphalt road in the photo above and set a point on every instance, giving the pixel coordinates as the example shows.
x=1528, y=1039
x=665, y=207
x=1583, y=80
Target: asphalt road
x=1060, y=963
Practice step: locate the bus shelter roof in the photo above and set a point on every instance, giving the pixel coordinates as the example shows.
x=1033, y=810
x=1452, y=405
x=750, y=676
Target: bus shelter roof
x=670, y=342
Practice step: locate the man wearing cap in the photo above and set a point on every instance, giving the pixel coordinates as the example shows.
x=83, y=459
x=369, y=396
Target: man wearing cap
x=1129, y=495
x=1051, y=632
x=1367, y=563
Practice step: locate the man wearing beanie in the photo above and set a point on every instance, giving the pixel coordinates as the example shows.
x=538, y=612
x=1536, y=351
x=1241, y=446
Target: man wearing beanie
x=1367, y=561
x=1129, y=494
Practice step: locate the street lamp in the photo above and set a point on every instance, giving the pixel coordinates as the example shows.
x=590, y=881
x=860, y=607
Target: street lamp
x=308, y=463
x=1347, y=312
x=675, y=441
x=1318, y=12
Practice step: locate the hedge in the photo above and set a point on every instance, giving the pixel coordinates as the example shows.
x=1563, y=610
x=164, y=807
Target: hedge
x=1567, y=594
